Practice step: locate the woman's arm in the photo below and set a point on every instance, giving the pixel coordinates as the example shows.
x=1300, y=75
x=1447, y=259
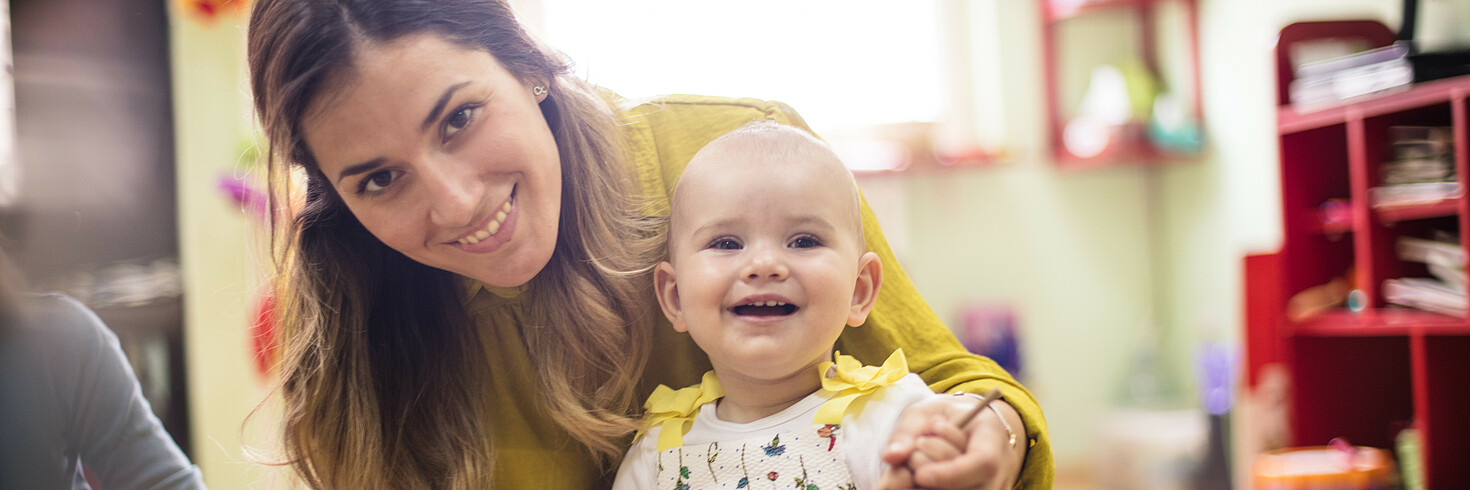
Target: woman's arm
x=902, y=319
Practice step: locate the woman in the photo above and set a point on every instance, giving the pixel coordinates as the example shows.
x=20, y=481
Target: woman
x=466, y=284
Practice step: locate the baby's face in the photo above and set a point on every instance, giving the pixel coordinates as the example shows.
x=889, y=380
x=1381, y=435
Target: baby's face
x=766, y=258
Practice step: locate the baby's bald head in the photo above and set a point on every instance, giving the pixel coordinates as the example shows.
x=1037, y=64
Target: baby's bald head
x=778, y=151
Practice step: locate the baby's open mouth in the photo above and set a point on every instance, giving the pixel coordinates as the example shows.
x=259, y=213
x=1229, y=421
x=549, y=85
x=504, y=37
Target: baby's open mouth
x=765, y=308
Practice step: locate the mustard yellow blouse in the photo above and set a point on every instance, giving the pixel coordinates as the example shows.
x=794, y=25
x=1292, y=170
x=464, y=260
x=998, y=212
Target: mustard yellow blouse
x=663, y=134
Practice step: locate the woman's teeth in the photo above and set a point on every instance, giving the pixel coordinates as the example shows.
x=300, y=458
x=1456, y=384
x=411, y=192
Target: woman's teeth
x=490, y=229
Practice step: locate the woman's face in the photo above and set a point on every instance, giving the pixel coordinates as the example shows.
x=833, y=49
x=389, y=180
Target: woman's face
x=444, y=156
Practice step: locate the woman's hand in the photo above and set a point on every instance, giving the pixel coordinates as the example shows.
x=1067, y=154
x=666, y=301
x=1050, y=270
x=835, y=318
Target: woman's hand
x=927, y=450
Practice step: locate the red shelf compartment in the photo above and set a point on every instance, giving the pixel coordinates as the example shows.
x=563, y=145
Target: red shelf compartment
x=1335, y=393
x=1137, y=25
x=1443, y=403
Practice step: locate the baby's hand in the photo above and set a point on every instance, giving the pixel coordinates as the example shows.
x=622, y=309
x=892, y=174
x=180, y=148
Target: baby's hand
x=942, y=441
x=928, y=446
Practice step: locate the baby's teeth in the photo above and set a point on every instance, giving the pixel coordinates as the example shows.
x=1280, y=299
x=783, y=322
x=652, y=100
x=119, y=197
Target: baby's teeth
x=472, y=240
x=494, y=227
x=505, y=208
x=483, y=234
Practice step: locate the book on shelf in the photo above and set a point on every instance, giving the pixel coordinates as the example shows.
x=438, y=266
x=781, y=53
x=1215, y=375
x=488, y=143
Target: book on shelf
x=1425, y=294
x=1418, y=170
x=1445, y=292
x=1324, y=82
x=1452, y=277
x=1427, y=251
x=1419, y=154
x=1388, y=196
x=1421, y=141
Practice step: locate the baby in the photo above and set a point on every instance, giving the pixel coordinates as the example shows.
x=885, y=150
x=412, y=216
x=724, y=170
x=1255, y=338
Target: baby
x=767, y=265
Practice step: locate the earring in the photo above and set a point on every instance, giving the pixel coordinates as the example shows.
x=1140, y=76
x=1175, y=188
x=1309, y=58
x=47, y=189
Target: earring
x=538, y=90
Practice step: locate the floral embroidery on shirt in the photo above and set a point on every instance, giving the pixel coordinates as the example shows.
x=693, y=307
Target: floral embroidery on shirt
x=775, y=448
x=829, y=432
x=805, y=459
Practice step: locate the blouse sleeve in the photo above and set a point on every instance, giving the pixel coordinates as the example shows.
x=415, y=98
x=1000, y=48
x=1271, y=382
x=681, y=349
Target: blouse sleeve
x=665, y=134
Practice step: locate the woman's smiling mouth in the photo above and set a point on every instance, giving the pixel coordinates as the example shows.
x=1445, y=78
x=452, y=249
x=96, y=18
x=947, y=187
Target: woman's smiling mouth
x=493, y=227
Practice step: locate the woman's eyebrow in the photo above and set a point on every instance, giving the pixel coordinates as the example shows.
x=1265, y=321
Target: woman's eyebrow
x=443, y=101
x=359, y=168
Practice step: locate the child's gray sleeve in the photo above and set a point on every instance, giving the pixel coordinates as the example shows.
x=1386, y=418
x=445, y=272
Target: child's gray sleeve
x=110, y=424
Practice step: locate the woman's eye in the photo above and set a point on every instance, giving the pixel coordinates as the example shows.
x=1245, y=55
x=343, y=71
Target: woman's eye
x=457, y=120
x=725, y=244
x=805, y=242
x=378, y=181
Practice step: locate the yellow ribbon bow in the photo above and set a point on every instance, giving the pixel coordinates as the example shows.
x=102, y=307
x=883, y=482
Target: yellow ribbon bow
x=674, y=411
x=853, y=381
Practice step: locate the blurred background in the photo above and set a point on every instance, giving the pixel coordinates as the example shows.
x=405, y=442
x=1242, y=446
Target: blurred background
x=1071, y=184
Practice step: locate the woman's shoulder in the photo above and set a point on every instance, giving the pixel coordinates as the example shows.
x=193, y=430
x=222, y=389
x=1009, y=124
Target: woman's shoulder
x=664, y=132
x=699, y=103
x=700, y=118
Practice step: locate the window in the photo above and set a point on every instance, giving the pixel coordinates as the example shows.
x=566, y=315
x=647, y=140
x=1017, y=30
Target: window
x=9, y=170
x=842, y=64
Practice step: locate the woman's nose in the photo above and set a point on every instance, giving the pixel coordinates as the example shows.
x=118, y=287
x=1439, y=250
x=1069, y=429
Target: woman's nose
x=453, y=196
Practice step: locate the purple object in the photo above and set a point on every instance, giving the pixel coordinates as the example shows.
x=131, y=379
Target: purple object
x=990, y=330
x=1216, y=365
x=251, y=200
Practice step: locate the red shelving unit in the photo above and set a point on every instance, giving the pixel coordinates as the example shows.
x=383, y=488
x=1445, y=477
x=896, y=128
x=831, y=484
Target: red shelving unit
x=1063, y=18
x=1362, y=375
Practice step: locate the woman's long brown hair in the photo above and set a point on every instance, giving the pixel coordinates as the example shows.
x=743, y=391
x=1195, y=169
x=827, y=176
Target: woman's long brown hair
x=383, y=373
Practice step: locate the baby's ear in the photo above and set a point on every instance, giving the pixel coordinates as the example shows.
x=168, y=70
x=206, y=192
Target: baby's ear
x=668, y=295
x=865, y=291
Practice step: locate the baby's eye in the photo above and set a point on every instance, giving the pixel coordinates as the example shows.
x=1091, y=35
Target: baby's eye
x=378, y=181
x=725, y=244
x=805, y=241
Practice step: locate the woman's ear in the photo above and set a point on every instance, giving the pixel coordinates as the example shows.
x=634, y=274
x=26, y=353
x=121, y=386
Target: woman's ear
x=865, y=291
x=540, y=89
x=668, y=295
